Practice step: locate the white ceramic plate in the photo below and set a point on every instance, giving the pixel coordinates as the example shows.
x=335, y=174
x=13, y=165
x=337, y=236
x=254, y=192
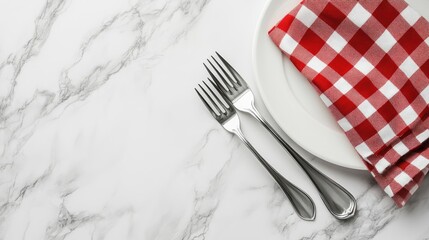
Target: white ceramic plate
x=292, y=101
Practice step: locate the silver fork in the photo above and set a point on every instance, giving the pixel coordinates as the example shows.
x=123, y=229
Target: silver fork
x=226, y=115
x=337, y=199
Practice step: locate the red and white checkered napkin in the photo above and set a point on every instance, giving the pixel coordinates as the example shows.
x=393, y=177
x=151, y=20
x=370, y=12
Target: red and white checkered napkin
x=369, y=60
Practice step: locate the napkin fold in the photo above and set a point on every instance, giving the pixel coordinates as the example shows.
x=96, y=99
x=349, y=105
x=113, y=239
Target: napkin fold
x=369, y=61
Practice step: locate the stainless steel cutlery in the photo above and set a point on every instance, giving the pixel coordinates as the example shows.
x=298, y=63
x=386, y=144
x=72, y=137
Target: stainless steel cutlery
x=232, y=86
x=224, y=112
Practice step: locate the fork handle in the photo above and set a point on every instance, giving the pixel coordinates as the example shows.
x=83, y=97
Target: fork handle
x=337, y=199
x=301, y=202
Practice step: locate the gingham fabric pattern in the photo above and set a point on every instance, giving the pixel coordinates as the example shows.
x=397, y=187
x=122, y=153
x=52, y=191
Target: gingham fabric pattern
x=369, y=61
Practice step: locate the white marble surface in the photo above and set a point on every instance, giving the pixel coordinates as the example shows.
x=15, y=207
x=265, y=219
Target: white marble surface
x=102, y=136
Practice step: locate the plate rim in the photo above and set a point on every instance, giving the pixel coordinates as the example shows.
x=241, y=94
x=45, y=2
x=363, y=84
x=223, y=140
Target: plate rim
x=255, y=45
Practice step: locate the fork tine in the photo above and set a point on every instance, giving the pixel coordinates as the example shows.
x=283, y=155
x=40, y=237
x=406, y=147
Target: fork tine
x=229, y=84
x=216, y=80
x=216, y=85
x=215, y=96
x=222, y=94
x=215, y=115
x=231, y=80
x=236, y=75
x=211, y=100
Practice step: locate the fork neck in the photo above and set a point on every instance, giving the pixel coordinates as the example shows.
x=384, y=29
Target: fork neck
x=240, y=135
x=251, y=109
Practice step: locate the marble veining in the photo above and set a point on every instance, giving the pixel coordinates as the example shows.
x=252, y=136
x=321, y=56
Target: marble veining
x=102, y=136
